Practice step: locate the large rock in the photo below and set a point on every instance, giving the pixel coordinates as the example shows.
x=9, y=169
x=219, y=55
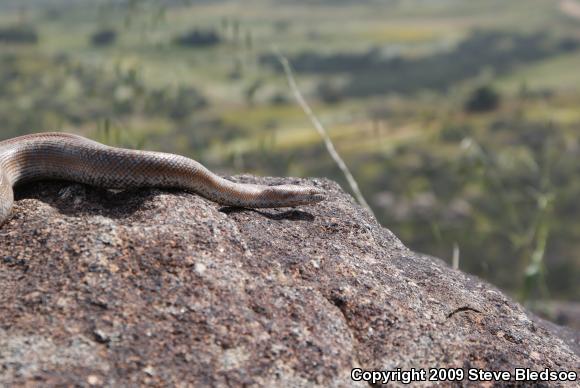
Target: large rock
x=165, y=287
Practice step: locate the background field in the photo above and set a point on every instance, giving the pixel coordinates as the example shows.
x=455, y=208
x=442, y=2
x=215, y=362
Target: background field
x=459, y=119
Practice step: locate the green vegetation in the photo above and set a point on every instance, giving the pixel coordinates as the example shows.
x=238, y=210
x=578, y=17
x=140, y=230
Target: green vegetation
x=372, y=74
x=18, y=35
x=483, y=99
x=104, y=37
x=458, y=118
x=198, y=38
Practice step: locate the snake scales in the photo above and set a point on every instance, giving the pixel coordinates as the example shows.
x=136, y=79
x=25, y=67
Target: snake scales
x=75, y=158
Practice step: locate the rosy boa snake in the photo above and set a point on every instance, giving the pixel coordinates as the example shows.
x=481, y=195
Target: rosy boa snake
x=75, y=158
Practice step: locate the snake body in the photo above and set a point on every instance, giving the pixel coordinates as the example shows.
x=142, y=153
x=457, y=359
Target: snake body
x=75, y=158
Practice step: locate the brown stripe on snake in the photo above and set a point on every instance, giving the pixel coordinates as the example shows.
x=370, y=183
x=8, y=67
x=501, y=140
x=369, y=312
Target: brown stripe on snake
x=75, y=158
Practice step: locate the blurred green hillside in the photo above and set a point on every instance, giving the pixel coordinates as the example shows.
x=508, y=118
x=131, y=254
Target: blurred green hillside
x=460, y=119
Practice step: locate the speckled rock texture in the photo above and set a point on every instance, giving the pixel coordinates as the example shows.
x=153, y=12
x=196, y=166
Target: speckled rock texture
x=166, y=288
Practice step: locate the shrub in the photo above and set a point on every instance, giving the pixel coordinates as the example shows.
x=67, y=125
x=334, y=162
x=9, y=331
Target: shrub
x=199, y=38
x=329, y=93
x=104, y=37
x=18, y=35
x=482, y=99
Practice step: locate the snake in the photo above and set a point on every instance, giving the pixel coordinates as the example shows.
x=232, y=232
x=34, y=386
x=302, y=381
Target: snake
x=70, y=157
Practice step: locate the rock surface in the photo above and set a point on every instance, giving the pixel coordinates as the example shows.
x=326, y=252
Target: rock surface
x=164, y=287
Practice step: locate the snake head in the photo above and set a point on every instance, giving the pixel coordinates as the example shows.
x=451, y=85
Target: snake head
x=291, y=195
